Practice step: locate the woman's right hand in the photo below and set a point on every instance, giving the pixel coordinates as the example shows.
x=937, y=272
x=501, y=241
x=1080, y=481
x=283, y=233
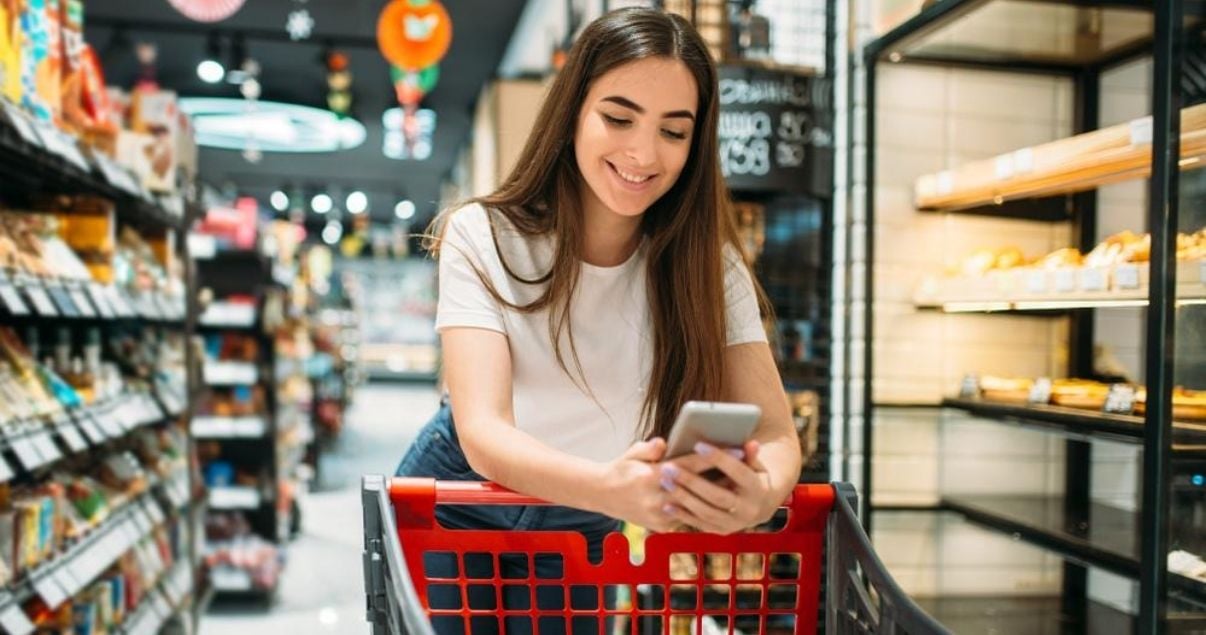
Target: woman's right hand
x=632, y=487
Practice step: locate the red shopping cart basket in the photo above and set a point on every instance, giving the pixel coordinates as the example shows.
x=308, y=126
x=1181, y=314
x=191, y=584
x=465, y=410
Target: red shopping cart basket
x=688, y=583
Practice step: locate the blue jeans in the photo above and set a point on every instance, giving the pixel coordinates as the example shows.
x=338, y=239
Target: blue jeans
x=436, y=453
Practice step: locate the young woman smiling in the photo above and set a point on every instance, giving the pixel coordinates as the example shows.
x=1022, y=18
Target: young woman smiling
x=596, y=291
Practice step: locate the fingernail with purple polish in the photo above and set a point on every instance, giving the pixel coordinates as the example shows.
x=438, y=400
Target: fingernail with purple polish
x=669, y=509
x=736, y=453
x=704, y=449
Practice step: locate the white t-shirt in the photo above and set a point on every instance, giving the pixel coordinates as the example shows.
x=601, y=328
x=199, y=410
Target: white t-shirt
x=612, y=330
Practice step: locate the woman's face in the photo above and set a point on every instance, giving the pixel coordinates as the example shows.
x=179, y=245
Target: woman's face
x=634, y=133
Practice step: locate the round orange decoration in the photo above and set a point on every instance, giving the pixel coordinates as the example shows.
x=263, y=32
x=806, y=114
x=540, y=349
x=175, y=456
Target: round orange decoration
x=414, y=34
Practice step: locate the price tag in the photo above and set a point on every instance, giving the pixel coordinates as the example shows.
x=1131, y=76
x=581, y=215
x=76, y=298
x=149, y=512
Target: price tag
x=12, y=300
x=1120, y=399
x=72, y=438
x=67, y=581
x=969, y=388
x=1036, y=282
x=1141, y=131
x=97, y=293
x=46, y=447
x=48, y=587
x=41, y=301
x=1093, y=279
x=6, y=472
x=80, y=300
x=1065, y=280
x=202, y=246
x=62, y=300
x=1126, y=276
x=22, y=124
x=91, y=430
x=119, y=302
x=14, y=621
x=1040, y=391
x=27, y=453
x=108, y=424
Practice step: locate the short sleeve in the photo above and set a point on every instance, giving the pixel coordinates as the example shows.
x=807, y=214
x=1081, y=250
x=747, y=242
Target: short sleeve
x=464, y=299
x=743, y=320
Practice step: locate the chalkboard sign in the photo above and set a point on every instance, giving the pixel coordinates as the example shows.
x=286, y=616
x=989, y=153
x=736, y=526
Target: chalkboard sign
x=776, y=131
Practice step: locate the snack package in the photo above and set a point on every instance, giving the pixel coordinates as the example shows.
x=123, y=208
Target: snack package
x=8, y=565
x=10, y=50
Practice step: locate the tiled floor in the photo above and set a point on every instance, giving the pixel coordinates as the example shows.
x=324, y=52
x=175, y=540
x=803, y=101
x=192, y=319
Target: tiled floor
x=323, y=586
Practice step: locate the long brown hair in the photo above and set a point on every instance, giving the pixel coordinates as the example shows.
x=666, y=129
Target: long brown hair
x=686, y=230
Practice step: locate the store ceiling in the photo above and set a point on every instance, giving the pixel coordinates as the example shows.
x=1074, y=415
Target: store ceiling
x=292, y=73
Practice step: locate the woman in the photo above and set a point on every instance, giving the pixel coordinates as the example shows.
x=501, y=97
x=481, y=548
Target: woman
x=600, y=288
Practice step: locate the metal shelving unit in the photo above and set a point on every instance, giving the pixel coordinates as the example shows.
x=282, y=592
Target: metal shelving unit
x=1087, y=534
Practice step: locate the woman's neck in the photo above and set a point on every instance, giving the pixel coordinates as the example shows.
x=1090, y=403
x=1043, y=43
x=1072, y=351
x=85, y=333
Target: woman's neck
x=609, y=238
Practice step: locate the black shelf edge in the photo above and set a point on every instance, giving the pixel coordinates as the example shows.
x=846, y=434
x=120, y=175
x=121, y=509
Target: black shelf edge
x=1082, y=423
x=1108, y=539
x=1048, y=209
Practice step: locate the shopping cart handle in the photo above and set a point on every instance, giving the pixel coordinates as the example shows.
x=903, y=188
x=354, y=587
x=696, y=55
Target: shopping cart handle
x=474, y=492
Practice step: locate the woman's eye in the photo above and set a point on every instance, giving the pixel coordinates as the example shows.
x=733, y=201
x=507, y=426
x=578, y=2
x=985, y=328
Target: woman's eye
x=677, y=136
x=616, y=121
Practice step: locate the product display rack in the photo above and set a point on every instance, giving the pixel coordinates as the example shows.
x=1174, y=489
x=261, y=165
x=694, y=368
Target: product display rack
x=37, y=161
x=251, y=440
x=1086, y=533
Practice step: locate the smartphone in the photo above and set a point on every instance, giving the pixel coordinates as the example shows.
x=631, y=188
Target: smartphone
x=725, y=425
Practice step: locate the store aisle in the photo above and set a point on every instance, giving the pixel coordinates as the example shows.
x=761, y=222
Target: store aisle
x=323, y=587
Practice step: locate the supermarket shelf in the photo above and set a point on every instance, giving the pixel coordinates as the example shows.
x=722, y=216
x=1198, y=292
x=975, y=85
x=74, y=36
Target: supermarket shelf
x=1029, y=290
x=209, y=427
x=1188, y=438
x=1043, y=614
x=1075, y=164
x=162, y=604
x=38, y=158
x=71, y=571
x=220, y=373
x=32, y=443
x=235, y=497
x=26, y=297
x=1108, y=538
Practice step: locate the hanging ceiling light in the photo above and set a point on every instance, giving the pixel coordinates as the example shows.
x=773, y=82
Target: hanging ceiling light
x=405, y=210
x=279, y=201
x=321, y=203
x=332, y=232
x=210, y=70
x=357, y=202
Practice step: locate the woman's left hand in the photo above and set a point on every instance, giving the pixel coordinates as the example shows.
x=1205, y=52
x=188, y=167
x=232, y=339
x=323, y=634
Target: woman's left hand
x=711, y=506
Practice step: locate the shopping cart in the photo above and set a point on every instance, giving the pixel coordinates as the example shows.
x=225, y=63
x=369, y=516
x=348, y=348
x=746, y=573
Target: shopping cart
x=752, y=582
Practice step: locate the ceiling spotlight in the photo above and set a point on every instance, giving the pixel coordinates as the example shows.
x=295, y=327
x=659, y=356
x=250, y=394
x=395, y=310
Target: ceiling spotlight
x=279, y=200
x=321, y=203
x=210, y=70
x=332, y=232
x=357, y=202
x=404, y=210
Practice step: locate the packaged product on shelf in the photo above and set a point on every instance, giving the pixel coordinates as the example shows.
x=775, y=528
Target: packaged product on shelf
x=1005, y=389
x=122, y=472
x=8, y=544
x=1079, y=393
x=10, y=51
x=154, y=117
x=74, y=118
x=39, y=80
x=1187, y=405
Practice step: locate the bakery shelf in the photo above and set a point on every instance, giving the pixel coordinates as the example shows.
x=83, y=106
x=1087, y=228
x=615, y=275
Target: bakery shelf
x=1108, y=538
x=1026, y=289
x=1066, y=166
x=1188, y=438
x=213, y=427
x=38, y=158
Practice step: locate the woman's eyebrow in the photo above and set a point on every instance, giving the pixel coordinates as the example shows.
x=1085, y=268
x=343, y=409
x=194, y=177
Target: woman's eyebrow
x=631, y=105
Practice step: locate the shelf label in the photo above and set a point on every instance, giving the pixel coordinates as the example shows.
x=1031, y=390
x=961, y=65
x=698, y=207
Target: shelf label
x=72, y=437
x=1093, y=279
x=1141, y=131
x=229, y=579
x=1065, y=280
x=1036, y=282
x=23, y=124
x=80, y=300
x=969, y=388
x=1126, y=276
x=1120, y=399
x=46, y=447
x=1004, y=167
x=62, y=300
x=91, y=430
x=6, y=472
x=27, y=453
x=12, y=300
x=1023, y=161
x=41, y=301
x=14, y=621
x=1040, y=391
x=97, y=293
x=48, y=587
x=202, y=246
